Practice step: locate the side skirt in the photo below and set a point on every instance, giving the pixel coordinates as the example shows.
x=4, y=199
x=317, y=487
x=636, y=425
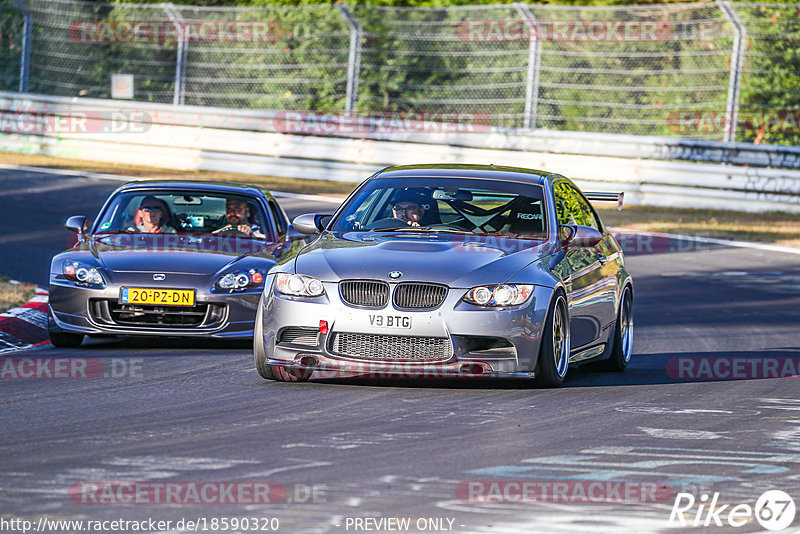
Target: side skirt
x=587, y=354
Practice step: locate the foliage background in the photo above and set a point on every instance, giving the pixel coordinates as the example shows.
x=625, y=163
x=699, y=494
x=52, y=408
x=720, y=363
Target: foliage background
x=408, y=66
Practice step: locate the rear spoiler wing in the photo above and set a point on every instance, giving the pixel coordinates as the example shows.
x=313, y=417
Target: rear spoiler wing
x=607, y=197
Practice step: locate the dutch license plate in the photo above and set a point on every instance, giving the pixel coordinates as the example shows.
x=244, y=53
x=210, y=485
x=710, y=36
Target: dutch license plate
x=157, y=297
x=390, y=321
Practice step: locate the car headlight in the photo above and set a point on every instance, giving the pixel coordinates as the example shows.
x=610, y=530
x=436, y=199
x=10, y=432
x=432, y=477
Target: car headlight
x=241, y=279
x=299, y=285
x=82, y=273
x=499, y=295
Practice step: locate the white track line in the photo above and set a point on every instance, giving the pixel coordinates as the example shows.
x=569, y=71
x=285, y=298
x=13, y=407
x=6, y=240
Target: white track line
x=125, y=178
x=323, y=198
x=713, y=241
x=66, y=172
x=318, y=198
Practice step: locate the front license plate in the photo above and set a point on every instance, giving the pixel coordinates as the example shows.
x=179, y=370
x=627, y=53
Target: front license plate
x=390, y=321
x=158, y=297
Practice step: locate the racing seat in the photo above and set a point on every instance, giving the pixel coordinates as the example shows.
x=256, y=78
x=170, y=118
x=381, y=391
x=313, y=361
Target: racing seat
x=526, y=219
x=431, y=215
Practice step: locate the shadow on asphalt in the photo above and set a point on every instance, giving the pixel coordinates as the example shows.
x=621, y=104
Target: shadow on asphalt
x=687, y=367
x=778, y=363
x=104, y=343
x=650, y=369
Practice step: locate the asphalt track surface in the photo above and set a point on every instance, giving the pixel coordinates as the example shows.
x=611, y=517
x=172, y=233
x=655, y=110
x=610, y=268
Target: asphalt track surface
x=194, y=412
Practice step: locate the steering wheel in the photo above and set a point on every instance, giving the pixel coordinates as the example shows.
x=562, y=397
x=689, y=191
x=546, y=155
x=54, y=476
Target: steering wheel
x=228, y=230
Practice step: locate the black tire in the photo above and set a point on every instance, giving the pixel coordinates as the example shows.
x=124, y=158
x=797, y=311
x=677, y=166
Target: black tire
x=282, y=375
x=623, y=334
x=553, y=361
x=259, y=355
x=61, y=339
x=269, y=372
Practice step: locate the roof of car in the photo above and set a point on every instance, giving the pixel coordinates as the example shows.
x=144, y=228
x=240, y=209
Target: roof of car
x=224, y=187
x=486, y=172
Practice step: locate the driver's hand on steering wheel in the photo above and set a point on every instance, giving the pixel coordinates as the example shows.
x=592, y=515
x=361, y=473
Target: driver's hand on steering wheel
x=246, y=229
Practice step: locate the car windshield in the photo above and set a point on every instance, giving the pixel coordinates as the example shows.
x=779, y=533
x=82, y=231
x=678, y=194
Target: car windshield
x=446, y=205
x=184, y=212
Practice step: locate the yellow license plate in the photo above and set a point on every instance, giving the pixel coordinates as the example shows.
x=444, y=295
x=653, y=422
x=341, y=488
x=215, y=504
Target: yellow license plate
x=157, y=297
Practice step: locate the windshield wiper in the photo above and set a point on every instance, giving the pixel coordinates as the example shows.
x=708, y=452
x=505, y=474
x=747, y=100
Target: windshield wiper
x=404, y=228
x=452, y=231
x=420, y=229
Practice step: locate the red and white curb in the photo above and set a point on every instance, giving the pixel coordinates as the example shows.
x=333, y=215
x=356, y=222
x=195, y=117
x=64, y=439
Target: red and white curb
x=26, y=326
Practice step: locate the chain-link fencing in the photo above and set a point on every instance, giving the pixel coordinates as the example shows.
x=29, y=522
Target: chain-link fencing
x=711, y=70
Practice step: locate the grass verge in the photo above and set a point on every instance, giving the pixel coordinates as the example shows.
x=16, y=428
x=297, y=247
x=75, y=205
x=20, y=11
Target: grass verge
x=779, y=228
x=13, y=295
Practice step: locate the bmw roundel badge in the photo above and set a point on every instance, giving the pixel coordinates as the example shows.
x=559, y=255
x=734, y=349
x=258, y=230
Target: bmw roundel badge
x=394, y=275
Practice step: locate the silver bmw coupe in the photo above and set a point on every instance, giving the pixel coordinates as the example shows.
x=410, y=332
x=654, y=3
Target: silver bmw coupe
x=450, y=271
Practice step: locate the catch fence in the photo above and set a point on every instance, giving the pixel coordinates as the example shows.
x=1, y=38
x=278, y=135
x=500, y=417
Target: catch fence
x=711, y=71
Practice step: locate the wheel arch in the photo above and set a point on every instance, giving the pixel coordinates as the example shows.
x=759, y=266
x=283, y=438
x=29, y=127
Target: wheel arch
x=559, y=288
x=627, y=282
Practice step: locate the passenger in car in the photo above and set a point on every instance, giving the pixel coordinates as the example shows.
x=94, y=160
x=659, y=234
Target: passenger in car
x=152, y=217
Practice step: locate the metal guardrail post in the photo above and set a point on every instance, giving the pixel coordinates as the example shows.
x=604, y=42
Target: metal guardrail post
x=27, y=34
x=180, y=62
x=354, y=57
x=735, y=81
x=534, y=60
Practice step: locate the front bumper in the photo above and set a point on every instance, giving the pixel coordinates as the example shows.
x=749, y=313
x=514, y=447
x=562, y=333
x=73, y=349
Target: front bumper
x=329, y=369
x=83, y=310
x=517, y=331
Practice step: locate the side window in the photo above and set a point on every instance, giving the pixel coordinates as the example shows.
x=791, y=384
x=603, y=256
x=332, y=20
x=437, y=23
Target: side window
x=588, y=213
x=568, y=210
x=572, y=208
x=369, y=209
x=277, y=216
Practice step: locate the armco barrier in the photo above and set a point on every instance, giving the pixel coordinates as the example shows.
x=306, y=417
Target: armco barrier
x=651, y=170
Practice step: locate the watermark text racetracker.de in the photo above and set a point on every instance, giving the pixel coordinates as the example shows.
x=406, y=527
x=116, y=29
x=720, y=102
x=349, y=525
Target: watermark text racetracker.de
x=381, y=122
x=41, y=122
x=103, y=32
x=578, y=30
x=258, y=523
x=196, y=492
x=631, y=242
x=703, y=122
x=732, y=367
x=562, y=491
x=69, y=368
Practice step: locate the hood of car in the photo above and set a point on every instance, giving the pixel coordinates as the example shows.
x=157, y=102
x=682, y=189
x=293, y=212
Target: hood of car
x=455, y=260
x=170, y=253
